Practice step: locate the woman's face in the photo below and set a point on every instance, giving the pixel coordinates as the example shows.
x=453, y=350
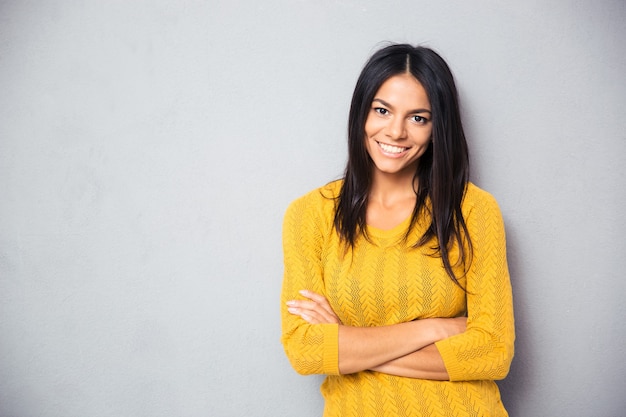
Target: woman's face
x=398, y=126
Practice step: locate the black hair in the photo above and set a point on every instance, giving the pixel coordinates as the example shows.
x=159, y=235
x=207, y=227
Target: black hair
x=442, y=173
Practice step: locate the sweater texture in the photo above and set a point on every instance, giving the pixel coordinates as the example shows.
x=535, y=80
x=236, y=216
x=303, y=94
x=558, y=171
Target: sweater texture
x=384, y=280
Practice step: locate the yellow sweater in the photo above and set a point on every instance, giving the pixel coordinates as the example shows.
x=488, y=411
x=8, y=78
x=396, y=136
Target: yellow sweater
x=384, y=281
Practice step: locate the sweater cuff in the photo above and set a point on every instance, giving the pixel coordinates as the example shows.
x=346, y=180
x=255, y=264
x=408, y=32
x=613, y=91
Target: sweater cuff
x=453, y=367
x=331, y=349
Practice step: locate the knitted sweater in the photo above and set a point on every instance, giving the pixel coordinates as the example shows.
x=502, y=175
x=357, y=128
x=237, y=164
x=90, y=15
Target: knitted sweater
x=385, y=281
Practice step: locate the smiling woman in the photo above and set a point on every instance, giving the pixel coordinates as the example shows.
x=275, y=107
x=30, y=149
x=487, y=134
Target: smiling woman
x=396, y=281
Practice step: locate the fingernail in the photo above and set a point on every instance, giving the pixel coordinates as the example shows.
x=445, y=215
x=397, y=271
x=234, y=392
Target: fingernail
x=292, y=310
x=303, y=292
x=291, y=303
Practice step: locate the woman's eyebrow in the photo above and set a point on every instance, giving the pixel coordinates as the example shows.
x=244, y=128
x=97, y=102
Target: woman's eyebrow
x=384, y=103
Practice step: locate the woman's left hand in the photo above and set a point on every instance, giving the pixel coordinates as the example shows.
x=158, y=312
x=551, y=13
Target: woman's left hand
x=315, y=310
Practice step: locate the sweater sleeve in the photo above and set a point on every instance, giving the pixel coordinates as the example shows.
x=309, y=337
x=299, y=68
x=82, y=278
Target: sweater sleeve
x=485, y=350
x=311, y=349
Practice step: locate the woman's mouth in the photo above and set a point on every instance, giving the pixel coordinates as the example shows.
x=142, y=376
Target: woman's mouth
x=391, y=149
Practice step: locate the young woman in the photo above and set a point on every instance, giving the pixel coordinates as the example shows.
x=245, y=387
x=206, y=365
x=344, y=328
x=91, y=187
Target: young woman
x=396, y=283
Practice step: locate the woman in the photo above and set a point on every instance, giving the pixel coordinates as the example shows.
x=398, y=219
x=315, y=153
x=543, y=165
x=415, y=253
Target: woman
x=396, y=284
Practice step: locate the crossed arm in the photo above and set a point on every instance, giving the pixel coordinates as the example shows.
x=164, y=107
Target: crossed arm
x=405, y=349
x=480, y=347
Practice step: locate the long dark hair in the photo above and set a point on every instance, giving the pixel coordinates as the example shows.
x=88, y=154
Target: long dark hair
x=442, y=173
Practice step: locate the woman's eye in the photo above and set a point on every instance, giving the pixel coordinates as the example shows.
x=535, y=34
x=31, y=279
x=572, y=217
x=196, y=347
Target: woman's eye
x=381, y=110
x=419, y=119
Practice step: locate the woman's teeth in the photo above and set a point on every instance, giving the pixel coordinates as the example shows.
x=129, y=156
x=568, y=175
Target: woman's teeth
x=391, y=149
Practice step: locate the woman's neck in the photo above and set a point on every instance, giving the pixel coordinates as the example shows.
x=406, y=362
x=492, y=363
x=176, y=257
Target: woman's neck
x=389, y=188
x=391, y=201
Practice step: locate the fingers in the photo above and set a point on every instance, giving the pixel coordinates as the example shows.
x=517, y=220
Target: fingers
x=311, y=317
x=311, y=312
x=320, y=300
x=315, y=310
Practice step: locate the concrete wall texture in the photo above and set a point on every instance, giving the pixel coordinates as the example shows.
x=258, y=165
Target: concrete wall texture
x=148, y=150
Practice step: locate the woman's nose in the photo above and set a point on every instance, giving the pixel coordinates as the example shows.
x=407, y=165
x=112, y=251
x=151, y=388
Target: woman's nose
x=396, y=129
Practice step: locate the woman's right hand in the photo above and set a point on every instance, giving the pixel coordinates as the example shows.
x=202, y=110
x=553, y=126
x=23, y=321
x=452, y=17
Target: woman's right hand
x=315, y=309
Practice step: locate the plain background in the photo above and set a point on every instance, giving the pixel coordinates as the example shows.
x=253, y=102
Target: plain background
x=149, y=149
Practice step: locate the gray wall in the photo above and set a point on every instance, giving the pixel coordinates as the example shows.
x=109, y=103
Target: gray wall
x=148, y=150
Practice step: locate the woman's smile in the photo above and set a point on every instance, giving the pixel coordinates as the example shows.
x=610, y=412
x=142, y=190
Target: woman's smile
x=392, y=150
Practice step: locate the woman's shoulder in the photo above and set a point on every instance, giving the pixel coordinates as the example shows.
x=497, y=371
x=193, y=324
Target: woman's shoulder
x=329, y=191
x=321, y=199
x=477, y=197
